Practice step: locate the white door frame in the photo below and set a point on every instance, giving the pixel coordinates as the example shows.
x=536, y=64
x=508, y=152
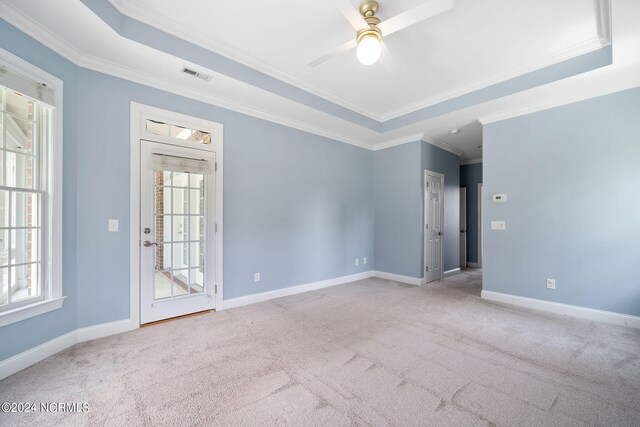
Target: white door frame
x=425, y=221
x=480, y=225
x=463, y=229
x=139, y=113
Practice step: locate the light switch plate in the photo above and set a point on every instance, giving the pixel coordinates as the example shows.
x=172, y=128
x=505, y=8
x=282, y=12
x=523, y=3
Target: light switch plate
x=498, y=225
x=113, y=226
x=499, y=198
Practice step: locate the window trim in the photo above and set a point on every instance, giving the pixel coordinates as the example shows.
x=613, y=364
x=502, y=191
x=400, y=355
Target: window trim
x=52, y=221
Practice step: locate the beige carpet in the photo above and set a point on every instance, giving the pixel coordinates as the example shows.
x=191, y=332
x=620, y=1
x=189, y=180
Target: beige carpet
x=372, y=352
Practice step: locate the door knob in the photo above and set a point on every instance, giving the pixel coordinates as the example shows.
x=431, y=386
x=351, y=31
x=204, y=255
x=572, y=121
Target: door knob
x=148, y=243
x=439, y=233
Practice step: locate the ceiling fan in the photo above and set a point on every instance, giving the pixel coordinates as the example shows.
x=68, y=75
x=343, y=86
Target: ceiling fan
x=370, y=30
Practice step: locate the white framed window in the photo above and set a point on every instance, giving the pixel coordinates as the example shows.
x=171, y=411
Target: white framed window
x=30, y=190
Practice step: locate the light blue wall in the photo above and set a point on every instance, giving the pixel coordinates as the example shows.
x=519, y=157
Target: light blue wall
x=298, y=208
x=470, y=177
x=438, y=160
x=573, y=212
x=398, y=210
x=398, y=176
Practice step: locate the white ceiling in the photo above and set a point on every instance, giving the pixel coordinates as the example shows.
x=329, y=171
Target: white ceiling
x=478, y=39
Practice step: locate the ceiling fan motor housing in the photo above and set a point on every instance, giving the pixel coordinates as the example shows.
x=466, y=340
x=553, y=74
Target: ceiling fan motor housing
x=368, y=9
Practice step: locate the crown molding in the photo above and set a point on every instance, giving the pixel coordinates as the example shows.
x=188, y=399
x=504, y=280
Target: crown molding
x=546, y=61
x=603, y=20
x=397, y=141
x=605, y=88
x=32, y=28
x=168, y=25
x=602, y=11
x=471, y=161
x=441, y=144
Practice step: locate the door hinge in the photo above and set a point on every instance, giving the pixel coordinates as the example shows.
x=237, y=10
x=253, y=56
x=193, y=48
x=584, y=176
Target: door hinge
x=215, y=166
x=215, y=227
x=215, y=290
x=426, y=268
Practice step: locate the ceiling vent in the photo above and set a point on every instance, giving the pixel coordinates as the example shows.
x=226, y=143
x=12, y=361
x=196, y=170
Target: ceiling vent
x=197, y=74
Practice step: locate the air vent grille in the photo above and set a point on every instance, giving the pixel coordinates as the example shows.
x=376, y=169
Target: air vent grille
x=197, y=74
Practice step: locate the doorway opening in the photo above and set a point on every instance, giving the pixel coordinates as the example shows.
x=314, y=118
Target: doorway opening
x=176, y=215
x=433, y=225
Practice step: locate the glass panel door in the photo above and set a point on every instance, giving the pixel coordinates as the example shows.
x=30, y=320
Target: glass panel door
x=177, y=242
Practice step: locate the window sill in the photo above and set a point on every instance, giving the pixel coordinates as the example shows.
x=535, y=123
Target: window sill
x=31, y=310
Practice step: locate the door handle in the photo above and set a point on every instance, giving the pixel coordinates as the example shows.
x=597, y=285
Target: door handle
x=439, y=233
x=148, y=243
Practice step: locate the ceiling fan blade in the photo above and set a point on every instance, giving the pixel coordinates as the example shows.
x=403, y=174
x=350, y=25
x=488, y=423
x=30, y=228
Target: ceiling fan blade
x=387, y=59
x=335, y=52
x=352, y=14
x=414, y=15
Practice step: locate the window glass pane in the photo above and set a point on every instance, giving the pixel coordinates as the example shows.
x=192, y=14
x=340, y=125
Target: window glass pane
x=24, y=245
x=20, y=171
x=195, y=254
x=25, y=210
x=180, y=230
x=196, y=281
x=180, y=179
x=178, y=132
x=196, y=228
x=180, y=280
x=163, y=228
x=196, y=180
x=162, y=282
x=4, y=208
x=1, y=167
x=1, y=124
x=19, y=134
x=4, y=247
x=19, y=105
x=196, y=205
x=24, y=282
x=179, y=201
x=4, y=286
x=179, y=255
x=157, y=128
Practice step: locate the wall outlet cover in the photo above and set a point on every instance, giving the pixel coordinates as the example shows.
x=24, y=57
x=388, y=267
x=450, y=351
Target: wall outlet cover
x=551, y=283
x=256, y=277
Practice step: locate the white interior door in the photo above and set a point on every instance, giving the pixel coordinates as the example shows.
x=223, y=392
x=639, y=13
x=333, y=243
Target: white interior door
x=434, y=212
x=463, y=226
x=177, y=212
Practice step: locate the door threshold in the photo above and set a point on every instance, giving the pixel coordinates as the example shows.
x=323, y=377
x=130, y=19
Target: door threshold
x=170, y=319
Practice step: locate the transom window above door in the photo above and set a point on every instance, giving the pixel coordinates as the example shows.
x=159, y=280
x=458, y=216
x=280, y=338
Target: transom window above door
x=177, y=132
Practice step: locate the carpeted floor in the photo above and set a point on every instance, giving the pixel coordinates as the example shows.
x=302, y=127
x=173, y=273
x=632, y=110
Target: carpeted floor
x=372, y=352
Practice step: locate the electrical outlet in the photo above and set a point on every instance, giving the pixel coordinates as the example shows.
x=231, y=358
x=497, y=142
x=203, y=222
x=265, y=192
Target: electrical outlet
x=113, y=225
x=256, y=277
x=357, y=261
x=364, y=260
x=551, y=283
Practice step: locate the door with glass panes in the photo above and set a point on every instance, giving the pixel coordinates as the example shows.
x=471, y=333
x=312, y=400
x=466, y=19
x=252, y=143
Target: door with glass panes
x=177, y=213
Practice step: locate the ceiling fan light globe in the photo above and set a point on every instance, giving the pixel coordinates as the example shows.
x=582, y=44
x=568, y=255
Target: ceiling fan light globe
x=369, y=50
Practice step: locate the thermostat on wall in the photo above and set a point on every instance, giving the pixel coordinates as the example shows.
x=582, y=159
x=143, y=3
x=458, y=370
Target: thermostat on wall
x=499, y=198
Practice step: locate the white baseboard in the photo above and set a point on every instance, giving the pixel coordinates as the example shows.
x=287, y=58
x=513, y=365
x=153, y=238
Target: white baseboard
x=292, y=290
x=474, y=265
x=103, y=330
x=450, y=273
x=36, y=354
x=417, y=281
x=564, y=309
